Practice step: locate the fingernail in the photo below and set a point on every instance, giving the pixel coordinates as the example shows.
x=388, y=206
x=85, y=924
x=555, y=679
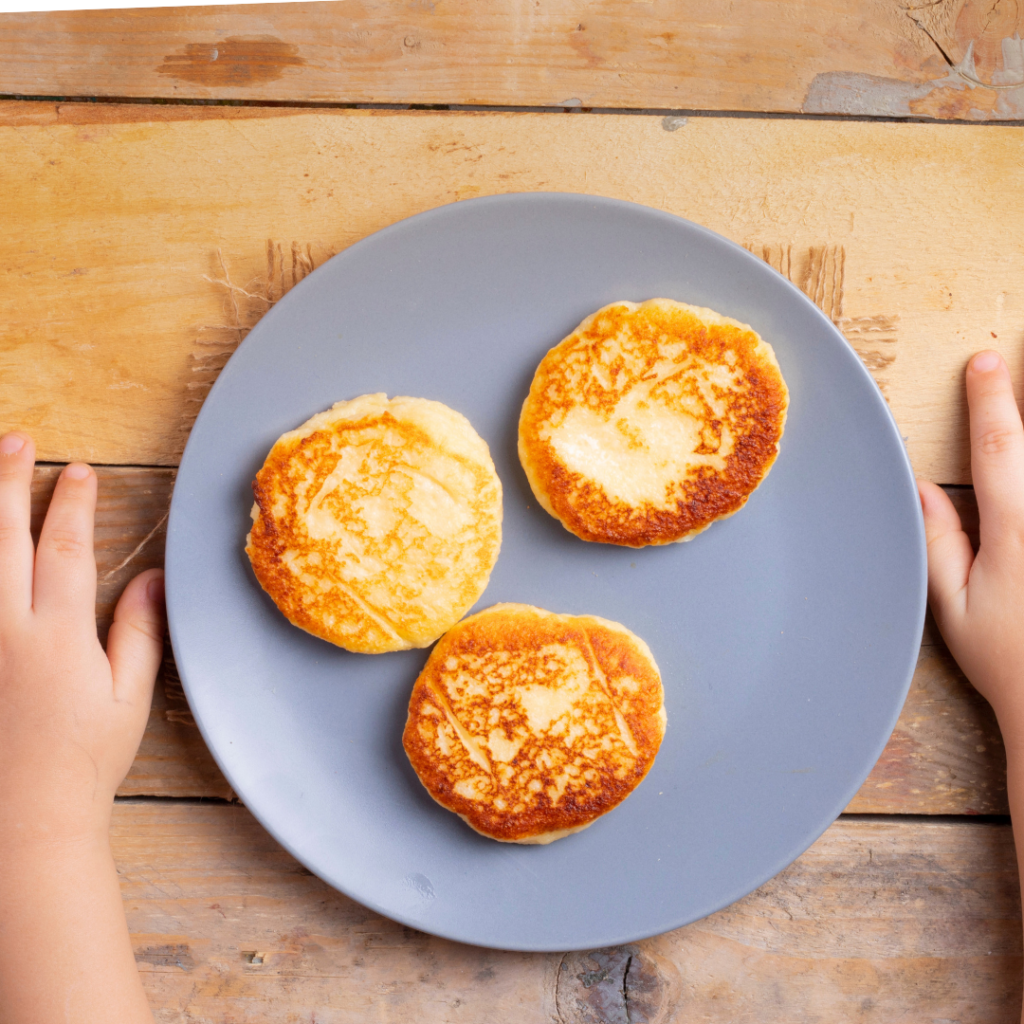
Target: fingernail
x=155, y=589
x=11, y=443
x=77, y=471
x=985, y=362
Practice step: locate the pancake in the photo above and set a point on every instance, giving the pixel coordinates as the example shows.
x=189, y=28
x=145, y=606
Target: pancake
x=531, y=725
x=651, y=421
x=377, y=523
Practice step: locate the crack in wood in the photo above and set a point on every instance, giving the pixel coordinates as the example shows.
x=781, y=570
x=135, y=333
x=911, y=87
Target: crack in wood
x=981, y=33
x=136, y=551
x=938, y=46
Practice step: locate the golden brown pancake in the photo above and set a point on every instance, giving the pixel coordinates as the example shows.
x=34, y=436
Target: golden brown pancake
x=651, y=421
x=377, y=523
x=531, y=725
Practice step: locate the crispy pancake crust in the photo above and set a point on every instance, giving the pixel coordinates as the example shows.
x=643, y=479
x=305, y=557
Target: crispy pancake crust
x=531, y=725
x=651, y=421
x=377, y=523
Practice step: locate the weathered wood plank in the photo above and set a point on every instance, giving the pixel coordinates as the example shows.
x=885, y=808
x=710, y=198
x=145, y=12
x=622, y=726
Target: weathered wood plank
x=945, y=756
x=946, y=753
x=141, y=243
x=874, y=57
x=173, y=760
x=878, y=921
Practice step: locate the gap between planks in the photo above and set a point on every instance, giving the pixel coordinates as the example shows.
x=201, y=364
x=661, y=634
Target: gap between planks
x=909, y=818
x=498, y=108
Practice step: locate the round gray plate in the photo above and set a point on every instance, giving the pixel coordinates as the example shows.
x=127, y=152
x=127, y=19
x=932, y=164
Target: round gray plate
x=786, y=635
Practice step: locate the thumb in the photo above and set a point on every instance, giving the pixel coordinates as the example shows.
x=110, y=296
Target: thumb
x=135, y=644
x=949, y=556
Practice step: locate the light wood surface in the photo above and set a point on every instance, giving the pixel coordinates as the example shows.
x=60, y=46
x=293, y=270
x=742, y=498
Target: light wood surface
x=133, y=260
x=877, y=922
x=946, y=754
x=927, y=58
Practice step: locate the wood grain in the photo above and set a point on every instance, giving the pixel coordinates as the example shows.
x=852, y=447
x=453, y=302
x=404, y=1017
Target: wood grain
x=945, y=755
x=142, y=243
x=173, y=760
x=878, y=921
x=940, y=58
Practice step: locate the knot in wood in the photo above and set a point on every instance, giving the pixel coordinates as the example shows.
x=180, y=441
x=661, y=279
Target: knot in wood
x=623, y=985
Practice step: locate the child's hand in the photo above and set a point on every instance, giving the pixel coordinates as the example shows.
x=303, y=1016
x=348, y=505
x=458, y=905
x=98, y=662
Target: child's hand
x=71, y=718
x=978, y=601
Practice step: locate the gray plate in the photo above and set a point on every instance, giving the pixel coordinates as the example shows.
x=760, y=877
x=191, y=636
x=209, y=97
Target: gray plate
x=786, y=635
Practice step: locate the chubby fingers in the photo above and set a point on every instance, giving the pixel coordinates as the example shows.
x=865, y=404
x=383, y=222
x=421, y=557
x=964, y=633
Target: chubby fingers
x=997, y=449
x=65, y=576
x=17, y=457
x=949, y=555
x=136, y=641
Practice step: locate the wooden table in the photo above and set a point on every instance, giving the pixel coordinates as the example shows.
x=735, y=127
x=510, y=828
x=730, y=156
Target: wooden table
x=861, y=147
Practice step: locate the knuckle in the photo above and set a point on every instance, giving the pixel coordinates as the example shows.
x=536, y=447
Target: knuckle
x=12, y=469
x=10, y=528
x=66, y=543
x=997, y=440
x=149, y=628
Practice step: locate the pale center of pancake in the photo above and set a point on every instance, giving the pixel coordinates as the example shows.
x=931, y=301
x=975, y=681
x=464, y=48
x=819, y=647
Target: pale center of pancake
x=501, y=747
x=392, y=527
x=407, y=491
x=544, y=703
x=655, y=435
